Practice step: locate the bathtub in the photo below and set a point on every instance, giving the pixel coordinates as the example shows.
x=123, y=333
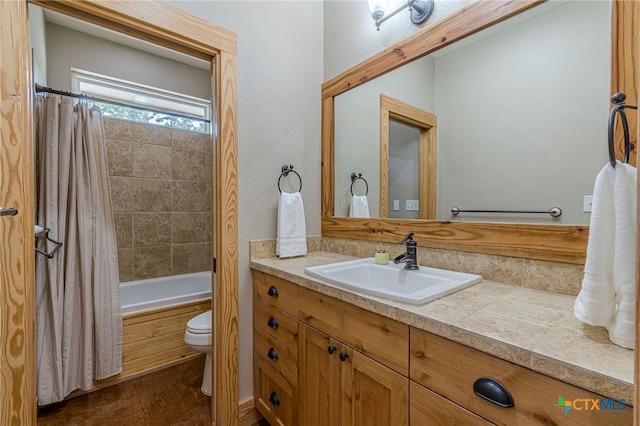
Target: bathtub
x=142, y=295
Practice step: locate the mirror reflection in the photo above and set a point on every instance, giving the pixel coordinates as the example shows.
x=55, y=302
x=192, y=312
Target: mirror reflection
x=521, y=110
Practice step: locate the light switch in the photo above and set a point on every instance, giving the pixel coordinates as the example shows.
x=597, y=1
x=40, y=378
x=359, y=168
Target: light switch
x=396, y=205
x=588, y=201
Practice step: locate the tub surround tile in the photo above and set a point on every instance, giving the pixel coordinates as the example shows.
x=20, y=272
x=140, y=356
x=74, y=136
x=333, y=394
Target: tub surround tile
x=152, y=134
x=124, y=229
x=151, y=161
x=528, y=327
x=121, y=194
x=190, y=258
x=120, y=158
x=152, y=195
x=151, y=262
x=191, y=228
x=143, y=164
x=117, y=129
x=189, y=196
x=125, y=264
x=151, y=229
x=191, y=140
x=188, y=165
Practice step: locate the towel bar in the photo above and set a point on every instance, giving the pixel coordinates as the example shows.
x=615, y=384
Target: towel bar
x=554, y=211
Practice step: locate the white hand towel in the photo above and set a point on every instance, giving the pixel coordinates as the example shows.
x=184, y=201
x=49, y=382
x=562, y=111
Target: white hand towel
x=292, y=232
x=608, y=290
x=595, y=303
x=359, y=206
x=622, y=325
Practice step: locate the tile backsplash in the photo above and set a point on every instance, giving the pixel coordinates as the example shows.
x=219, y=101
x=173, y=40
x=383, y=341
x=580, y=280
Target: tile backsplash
x=161, y=198
x=549, y=276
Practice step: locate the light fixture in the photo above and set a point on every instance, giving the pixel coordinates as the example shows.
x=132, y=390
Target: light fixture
x=420, y=11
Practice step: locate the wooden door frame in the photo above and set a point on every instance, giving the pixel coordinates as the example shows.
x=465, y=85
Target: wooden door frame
x=167, y=26
x=427, y=124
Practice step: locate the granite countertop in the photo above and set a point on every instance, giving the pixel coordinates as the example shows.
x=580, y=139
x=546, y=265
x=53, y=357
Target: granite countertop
x=531, y=328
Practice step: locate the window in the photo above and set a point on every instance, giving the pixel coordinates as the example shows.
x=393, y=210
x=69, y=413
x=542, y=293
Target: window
x=136, y=102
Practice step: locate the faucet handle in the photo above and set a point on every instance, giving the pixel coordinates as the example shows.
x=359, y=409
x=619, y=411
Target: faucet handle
x=407, y=238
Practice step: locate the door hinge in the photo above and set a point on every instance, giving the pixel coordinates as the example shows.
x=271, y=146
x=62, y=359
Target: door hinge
x=214, y=265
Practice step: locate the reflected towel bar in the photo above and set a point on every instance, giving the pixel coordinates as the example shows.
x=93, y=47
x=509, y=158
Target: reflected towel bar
x=554, y=211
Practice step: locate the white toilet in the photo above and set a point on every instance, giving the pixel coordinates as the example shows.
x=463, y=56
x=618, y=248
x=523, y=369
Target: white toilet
x=198, y=336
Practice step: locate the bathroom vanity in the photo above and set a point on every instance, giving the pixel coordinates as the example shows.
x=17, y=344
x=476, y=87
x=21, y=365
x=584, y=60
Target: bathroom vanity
x=325, y=356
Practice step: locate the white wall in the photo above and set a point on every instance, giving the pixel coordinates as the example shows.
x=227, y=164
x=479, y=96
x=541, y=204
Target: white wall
x=37, y=27
x=507, y=145
x=68, y=48
x=279, y=78
x=357, y=127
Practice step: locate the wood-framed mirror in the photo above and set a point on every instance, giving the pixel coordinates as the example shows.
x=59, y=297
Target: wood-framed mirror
x=544, y=240
x=558, y=243
x=171, y=28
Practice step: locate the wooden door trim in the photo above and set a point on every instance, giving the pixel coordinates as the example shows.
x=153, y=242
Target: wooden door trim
x=167, y=26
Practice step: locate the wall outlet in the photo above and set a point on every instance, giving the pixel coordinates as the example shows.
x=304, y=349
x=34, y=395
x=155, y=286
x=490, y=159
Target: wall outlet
x=396, y=205
x=411, y=205
x=588, y=201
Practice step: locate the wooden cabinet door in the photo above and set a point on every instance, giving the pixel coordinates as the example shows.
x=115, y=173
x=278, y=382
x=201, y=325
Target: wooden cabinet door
x=372, y=394
x=319, y=378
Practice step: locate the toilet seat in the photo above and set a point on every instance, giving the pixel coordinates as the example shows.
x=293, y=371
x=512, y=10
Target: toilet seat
x=200, y=324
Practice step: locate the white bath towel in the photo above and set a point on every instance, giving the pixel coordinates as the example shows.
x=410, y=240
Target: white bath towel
x=622, y=325
x=607, y=297
x=359, y=206
x=292, y=232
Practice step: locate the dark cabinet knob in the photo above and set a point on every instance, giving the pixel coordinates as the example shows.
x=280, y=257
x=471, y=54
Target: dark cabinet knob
x=273, y=292
x=274, y=400
x=273, y=323
x=493, y=391
x=272, y=354
x=343, y=356
x=331, y=349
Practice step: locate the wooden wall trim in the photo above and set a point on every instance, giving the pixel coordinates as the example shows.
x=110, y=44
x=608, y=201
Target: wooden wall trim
x=225, y=289
x=543, y=242
x=148, y=20
x=249, y=414
x=467, y=21
x=17, y=242
x=624, y=68
x=159, y=23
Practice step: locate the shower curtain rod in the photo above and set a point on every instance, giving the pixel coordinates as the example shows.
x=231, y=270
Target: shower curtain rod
x=43, y=89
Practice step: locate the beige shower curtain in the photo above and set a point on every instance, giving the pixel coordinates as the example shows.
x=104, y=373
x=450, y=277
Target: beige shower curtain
x=78, y=318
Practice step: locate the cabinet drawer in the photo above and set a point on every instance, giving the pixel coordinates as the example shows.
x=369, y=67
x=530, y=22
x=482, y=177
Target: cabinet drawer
x=278, y=356
x=451, y=369
x=276, y=323
x=275, y=398
x=381, y=338
x=275, y=292
x=428, y=408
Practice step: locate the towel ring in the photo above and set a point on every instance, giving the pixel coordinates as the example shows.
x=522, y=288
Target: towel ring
x=618, y=108
x=285, y=172
x=354, y=178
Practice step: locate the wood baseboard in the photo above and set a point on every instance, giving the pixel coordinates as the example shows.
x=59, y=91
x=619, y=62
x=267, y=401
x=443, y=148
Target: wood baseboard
x=248, y=414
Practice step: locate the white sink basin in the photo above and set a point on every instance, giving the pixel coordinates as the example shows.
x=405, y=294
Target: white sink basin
x=392, y=281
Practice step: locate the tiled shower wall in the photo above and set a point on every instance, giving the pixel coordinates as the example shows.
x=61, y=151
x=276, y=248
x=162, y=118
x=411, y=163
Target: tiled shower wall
x=160, y=190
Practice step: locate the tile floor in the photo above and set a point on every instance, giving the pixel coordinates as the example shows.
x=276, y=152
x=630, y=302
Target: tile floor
x=169, y=397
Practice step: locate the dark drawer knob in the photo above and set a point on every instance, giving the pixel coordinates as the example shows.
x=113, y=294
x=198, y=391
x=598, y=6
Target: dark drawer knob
x=343, y=356
x=273, y=292
x=493, y=391
x=273, y=323
x=272, y=354
x=331, y=349
x=274, y=400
